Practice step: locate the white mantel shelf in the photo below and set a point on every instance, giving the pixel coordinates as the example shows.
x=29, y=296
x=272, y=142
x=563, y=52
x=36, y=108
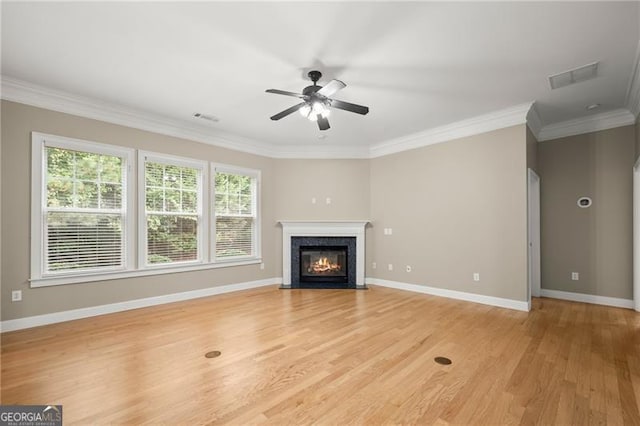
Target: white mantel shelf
x=324, y=228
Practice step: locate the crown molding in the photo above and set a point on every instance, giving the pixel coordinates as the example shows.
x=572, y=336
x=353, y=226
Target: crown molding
x=632, y=100
x=39, y=96
x=469, y=127
x=594, y=123
x=534, y=122
x=27, y=93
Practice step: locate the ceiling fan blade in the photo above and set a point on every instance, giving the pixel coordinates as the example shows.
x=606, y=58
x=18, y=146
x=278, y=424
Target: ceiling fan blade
x=323, y=123
x=288, y=111
x=332, y=87
x=358, y=109
x=284, y=92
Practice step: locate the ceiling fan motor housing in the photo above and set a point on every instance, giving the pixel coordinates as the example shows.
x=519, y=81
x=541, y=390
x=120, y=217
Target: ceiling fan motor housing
x=314, y=76
x=307, y=91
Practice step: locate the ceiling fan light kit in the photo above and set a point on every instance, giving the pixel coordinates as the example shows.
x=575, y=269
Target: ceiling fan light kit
x=317, y=104
x=311, y=111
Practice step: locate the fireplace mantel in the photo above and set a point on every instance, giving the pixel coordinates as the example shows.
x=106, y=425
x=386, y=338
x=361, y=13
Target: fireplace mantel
x=325, y=228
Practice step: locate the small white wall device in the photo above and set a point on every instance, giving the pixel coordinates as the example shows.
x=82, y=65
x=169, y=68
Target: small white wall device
x=584, y=202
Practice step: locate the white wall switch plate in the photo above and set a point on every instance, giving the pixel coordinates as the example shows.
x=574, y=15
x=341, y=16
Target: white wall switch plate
x=16, y=295
x=328, y=200
x=313, y=200
x=575, y=276
x=390, y=267
x=262, y=266
x=374, y=265
x=476, y=276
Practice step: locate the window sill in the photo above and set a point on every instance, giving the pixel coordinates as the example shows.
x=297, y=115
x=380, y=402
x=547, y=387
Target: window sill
x=105, y=276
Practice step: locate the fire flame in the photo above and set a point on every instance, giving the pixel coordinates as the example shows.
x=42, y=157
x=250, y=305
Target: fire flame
x=323, y=265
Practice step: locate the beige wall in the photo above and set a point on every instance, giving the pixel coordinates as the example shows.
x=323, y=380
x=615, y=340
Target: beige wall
x=455, y=208
x=345, y=182
x=596, y=242
x=18, y=122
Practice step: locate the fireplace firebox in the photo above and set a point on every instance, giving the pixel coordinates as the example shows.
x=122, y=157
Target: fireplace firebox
x=323, y=262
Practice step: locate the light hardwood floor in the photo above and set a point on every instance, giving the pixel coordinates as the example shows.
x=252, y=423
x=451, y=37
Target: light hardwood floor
x=333, y=357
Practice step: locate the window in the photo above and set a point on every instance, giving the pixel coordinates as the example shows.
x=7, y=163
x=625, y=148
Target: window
x=236, y=212
x=173, y=220
x=84, y=223
x=81, y=224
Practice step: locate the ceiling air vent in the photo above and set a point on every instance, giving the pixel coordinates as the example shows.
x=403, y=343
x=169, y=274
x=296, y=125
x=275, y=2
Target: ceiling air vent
x=576, y=75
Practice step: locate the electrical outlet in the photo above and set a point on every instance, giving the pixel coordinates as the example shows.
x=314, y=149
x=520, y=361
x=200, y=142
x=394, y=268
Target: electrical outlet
x=313, y=200
x=374, y=265
x=262, y=266
x=575, y=276
x=328, y=200
x=16, y=295
x=390, y=267
x=390, y=231
x=408, y=268
x=476, y=276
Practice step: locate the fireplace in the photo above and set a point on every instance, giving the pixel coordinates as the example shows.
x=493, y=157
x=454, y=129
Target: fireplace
x=323, y=262
x=309, y=243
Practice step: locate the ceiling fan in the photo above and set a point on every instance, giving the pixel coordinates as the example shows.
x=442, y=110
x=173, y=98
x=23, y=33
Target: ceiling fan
x=316, y=101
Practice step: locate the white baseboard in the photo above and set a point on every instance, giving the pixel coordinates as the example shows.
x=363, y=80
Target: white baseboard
x=35, y=321
x=588, y=298
x=453, y=294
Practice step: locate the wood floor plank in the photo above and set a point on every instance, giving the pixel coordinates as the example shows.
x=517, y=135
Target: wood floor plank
x=333, y=357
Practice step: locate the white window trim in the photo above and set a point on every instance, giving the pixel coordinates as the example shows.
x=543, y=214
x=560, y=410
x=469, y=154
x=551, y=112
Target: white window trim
x=38, y=199
x=203, y=202
x=257, y=193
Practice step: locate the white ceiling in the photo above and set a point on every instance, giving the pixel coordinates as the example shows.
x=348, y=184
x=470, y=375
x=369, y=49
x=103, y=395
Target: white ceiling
x=417, y=66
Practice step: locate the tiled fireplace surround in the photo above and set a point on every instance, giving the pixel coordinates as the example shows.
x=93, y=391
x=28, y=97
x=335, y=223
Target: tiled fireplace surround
x=292, y=229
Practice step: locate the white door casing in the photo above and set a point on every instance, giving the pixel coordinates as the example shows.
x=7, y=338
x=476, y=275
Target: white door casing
x=636, y=236
x=533, y=238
